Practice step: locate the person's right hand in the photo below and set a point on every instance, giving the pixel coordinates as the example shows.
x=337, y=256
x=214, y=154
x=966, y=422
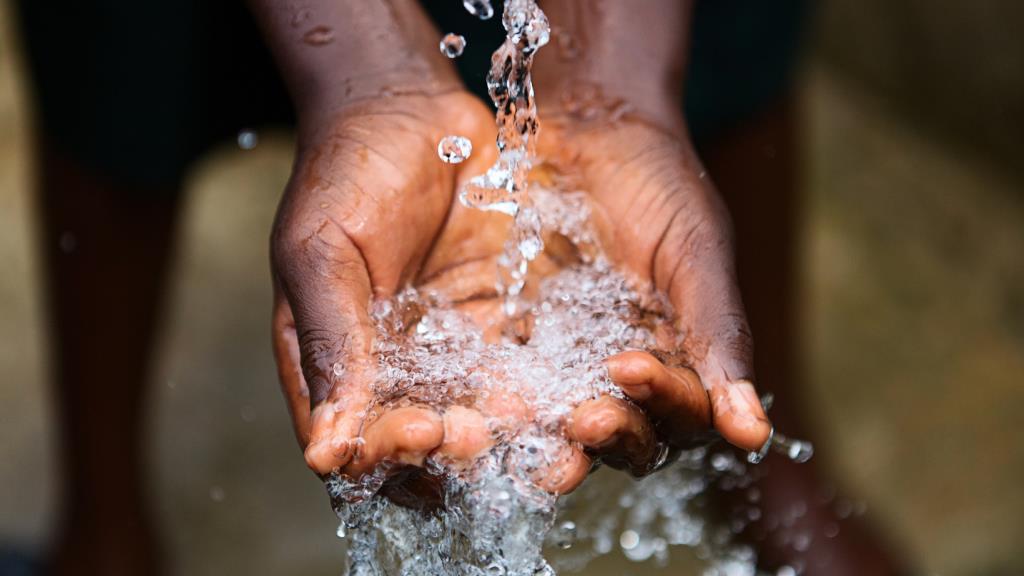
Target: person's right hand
x=367, y=198
x=370, y=208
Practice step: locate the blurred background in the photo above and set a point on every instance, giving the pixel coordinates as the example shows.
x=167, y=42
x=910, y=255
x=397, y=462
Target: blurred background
x=912, y=295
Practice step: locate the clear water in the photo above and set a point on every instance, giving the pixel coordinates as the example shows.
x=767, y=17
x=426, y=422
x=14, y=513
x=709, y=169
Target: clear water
x=503, y=188
x=452, y=45
x=454, y=149
x=492, y=518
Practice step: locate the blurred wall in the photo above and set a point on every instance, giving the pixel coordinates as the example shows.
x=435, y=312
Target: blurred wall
x=956, y=67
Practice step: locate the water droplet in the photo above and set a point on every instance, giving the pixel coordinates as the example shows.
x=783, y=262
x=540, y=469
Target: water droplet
x=319, y=36
x=721, y=462
x=217, y=494
x=338, y=369
x=758, y=456
x=565, y=535
x=801, y=542
x=482, y=9
x=248, y=139
x=452, y=45
x=785, y=571
x=798, y=451
x=629, y=539
x=831, y=530
x=454, y=149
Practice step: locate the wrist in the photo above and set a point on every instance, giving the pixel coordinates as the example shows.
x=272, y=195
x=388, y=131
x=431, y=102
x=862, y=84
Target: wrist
x=325, y=98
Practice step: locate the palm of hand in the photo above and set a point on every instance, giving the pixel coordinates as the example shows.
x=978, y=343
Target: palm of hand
x=371, y=208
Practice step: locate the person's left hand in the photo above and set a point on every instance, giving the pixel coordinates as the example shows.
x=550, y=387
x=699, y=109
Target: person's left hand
x=661, y=220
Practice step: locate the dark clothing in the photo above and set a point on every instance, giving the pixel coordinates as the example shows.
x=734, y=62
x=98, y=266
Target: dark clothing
x=139, y=89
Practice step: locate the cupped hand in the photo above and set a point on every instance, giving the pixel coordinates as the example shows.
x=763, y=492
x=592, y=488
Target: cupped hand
x=370, y=208
x=660, y=218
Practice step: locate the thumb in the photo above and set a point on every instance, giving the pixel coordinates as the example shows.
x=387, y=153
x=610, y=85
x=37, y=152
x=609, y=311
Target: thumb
x=325, y=285
x=702, y=288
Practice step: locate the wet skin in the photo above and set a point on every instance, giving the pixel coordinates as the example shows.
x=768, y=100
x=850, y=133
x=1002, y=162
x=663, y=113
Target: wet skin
x=371, y=208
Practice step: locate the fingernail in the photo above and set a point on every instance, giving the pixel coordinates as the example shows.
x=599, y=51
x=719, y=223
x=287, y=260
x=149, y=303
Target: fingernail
x=745, y=397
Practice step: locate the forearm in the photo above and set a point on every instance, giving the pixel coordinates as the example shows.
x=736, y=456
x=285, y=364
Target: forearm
x=620, y=53
x=334, y=52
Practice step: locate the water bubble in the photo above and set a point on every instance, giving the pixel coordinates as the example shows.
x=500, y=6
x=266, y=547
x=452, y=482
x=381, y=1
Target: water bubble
x=799, y=451
x=482, y=9
x=844, y=509
x=247, y=139
x=831, y=530
x=338, y=369
x=452, y=45
x=319, y=36
x=721, y=462
x=565, y=535
x=801, y=542
x=785, y=571
x=629, y=539
x=758, y=456
x=454, y=149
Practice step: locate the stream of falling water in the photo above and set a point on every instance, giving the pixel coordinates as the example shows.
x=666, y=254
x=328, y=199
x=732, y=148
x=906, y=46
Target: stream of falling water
x=492, y=518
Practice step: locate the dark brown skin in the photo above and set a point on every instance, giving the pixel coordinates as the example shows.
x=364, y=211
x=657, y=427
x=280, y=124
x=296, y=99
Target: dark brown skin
x=108, y=289
x=370, y=208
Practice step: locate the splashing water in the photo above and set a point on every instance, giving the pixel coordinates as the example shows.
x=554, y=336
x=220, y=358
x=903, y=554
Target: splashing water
x=503, y=187
x=452, y=45
x=545, y=353
x=247, y=139
x=482, y=9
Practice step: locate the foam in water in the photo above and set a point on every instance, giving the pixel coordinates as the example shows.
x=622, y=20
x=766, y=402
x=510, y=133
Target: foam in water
x=544, y=354
x=503, y=188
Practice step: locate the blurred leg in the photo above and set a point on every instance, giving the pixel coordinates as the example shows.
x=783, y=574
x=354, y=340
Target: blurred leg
x=106, y=247
x=756, y=167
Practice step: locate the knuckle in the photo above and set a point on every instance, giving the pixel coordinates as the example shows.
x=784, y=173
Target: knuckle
x=319, y=350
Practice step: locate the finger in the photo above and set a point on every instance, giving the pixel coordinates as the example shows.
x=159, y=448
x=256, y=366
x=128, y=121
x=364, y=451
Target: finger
x=507, y=411
x=673, y=397
x=694, y=265
x=404, y=436
x=289, y=371
x=617, y=431
x=466, y=435
x=567, y=473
